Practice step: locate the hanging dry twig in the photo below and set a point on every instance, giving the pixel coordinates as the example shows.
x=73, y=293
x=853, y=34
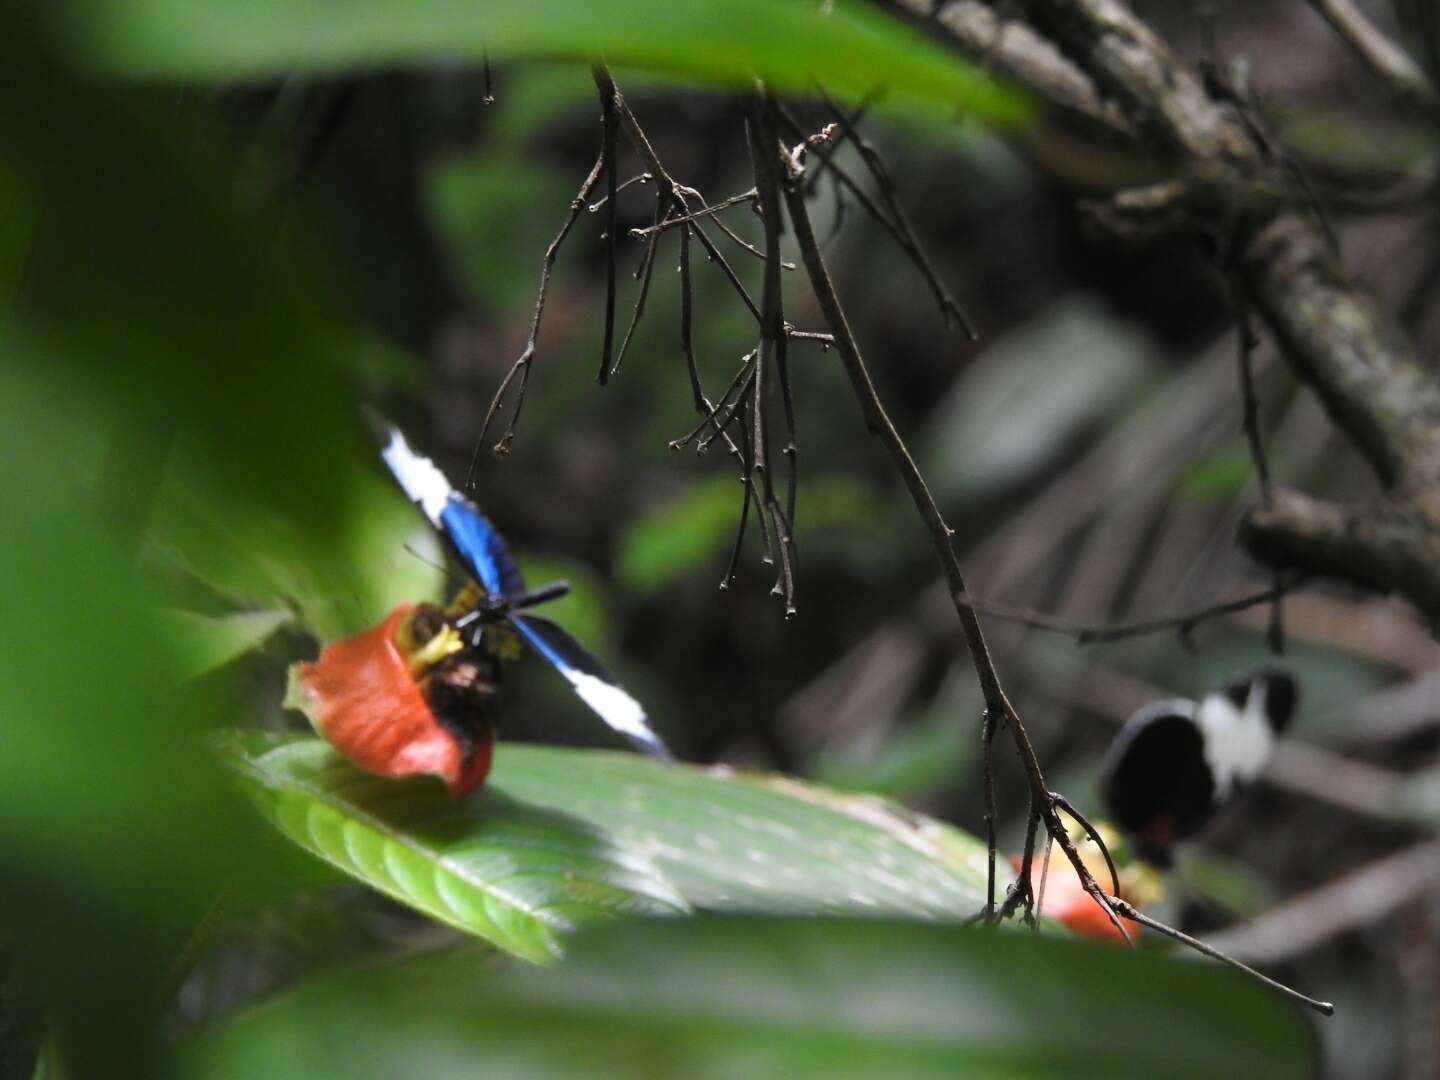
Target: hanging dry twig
x=1045, y=805
x=772, y=353
x=521, y=368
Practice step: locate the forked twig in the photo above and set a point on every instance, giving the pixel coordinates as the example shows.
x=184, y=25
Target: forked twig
x=521, y=368
x=764, y=151
x=1045, y=807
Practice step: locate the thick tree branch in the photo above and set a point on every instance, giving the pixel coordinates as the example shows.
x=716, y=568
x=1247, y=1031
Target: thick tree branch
x=1393, y=546
x=1387, y=60
x=1348, y=350
x=1334, y=334
x=1016, y=51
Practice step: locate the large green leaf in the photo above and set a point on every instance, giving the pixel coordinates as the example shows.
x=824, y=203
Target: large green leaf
x=560, y=838
x=730, y=997
x=853, y=50
x=206, y=642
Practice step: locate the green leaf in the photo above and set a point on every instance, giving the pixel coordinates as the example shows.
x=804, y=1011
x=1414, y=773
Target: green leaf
x=1215, y=476
x=204, y=642
x=514, y=873
x=729, y=997
x=916, y=759
x=481, y=205
x=851, y=51
x=559, y=838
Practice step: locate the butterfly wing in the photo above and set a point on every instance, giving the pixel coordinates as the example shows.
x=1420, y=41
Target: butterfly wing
x=596, y=686
x=468, y=531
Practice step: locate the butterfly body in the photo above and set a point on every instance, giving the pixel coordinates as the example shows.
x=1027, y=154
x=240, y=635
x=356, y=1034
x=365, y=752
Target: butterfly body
x=394, y=711
x=417, y=692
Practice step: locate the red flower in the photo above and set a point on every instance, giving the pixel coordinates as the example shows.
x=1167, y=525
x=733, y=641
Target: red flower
x=373, y=696
x=1067, y=902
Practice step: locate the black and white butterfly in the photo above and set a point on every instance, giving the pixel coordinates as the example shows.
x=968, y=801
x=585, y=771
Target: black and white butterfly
x=1176, y=762
x=482, y=550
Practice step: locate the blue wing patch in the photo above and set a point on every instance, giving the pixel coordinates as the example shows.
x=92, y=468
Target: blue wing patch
x=469, y=531
x=480, y=546
x=596, y=686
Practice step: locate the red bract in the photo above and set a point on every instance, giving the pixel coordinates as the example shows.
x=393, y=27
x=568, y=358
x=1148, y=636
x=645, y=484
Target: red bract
x=363, y=697
x=1067, y=902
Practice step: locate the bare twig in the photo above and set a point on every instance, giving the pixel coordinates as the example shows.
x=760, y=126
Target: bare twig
x=642, y=178
x=1090, y=831
x=521, y=368
x=987, y=746
x=1021, y=893
x=950, y=310
x=610, y=130
x=1247, y=342
x=669, y=189
x=1386, y=59
x=704, y=211
x=879, y=423
x=764, y=151
x=897, y=226
x=1131, y=912
x=644, y=273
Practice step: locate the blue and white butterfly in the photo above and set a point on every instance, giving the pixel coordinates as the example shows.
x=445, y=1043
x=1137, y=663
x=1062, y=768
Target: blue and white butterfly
x=482, y=550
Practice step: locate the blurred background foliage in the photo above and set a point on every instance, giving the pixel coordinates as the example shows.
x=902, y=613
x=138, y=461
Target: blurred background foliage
x=222, y=227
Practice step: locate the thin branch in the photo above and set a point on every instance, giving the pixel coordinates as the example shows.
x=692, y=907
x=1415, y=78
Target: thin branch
x=1245, y=353
x=899, y=230
x=1386, y=60
x=710, y=413
x=987, y=748
x=644, y=273
x=879, y=423
x=1247, y=342
x=704, y=211
x=764, y=153
x=747, y=465
x=642, y=178
x=1094, y=835
x=1085, y=633
x=826, y=340
x=672, y=191
x=1021, y=892
x=950, y=310
x=610, y=132
x=1131, y=912
x=521, y=368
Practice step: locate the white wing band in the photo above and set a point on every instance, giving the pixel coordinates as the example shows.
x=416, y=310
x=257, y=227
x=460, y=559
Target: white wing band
x=418, y=477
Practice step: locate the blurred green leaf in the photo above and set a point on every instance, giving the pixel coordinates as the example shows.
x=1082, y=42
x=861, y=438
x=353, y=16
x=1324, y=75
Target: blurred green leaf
x=852, y=50
x=698, y=527
x=165, y=321
x=206, y=642
x=490, y=209
x=917, y=759
x=1238, y=888
x=253, y=556
x=729, y=997
x=559, y=838
x=516, y=874
x=1215, y=476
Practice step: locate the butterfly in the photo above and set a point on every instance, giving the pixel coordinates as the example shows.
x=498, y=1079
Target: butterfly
x=416, y=693
x=1177, y=762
